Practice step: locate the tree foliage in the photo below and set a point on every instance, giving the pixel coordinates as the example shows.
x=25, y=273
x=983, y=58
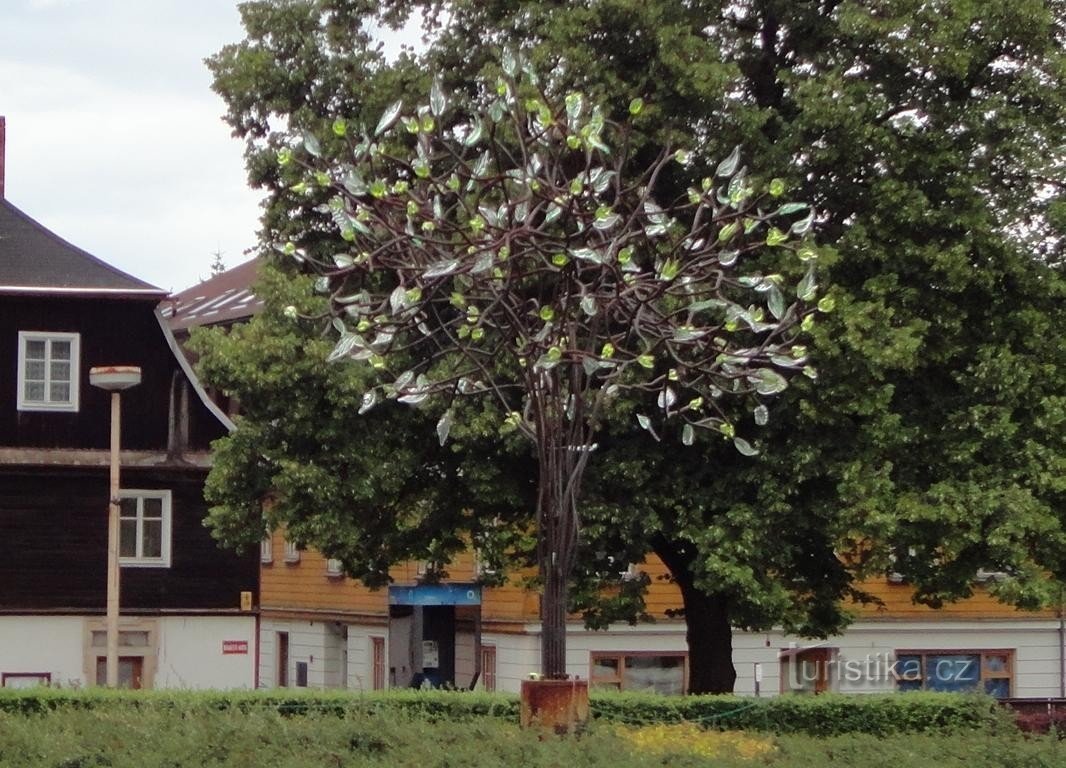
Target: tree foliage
x=928, y=136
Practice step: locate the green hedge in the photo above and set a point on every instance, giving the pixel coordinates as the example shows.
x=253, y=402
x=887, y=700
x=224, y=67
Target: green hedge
x=823, y=715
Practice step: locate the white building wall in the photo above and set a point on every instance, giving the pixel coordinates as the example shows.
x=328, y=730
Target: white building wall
x=361, y=656
x=867, y=646
x=861, y=662
x=307, y=644
x=44, y=644
x=190, y=652
x=187, y=654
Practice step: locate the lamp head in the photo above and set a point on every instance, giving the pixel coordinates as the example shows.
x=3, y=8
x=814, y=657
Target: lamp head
x=115, y=378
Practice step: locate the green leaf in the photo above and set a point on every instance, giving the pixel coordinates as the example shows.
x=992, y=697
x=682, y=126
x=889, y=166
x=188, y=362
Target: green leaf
x=546, y=313
x=762, y=415
x=744, y=447
x=388, y=118
x=444, y=426
x=636, y=106
x=646, y=361
x=827, y=304
x=807, y=288
x=777, y=187
x=770, y=382
x=312, y=144
x=776, y=237
x=803, y=226
x=340, y=127
x=788, y=208
x=729, y=166
x=437, y=100
x=776, y=302
x=688, y=435
x=509, y=63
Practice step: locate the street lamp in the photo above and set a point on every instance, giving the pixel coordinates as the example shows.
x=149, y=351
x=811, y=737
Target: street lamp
x=114, y=379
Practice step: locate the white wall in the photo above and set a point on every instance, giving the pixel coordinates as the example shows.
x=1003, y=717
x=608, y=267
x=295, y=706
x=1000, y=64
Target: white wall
x=361, y=657
x=52, y=644
x=1035, y=644
x=190, y=652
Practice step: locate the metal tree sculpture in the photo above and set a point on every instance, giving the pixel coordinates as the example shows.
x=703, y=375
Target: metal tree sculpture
x=511, y=251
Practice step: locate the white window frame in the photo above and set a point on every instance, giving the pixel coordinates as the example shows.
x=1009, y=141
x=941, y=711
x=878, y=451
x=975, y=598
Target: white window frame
x=75, y=371
x=334, y=567
x=139, y=561
x=292, y=552
x=266, y=550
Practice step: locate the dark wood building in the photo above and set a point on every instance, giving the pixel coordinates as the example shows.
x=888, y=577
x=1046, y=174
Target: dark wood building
x=187, y=605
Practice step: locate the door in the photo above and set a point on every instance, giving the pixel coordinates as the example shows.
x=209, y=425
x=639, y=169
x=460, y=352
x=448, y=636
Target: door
x=282, y=669
x=130, y=671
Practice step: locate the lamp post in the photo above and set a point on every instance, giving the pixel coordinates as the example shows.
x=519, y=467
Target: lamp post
x=114, y=379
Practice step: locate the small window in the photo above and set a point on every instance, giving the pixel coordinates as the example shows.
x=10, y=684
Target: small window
x=144, y=529
x=48, y=369
x=657, y=673
x=334, y=567
x=956, y=671
x=301, y=674
x=266, y=550
x=292, y=552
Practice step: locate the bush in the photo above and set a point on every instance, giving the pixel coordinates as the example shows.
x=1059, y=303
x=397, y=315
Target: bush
x=824, y=715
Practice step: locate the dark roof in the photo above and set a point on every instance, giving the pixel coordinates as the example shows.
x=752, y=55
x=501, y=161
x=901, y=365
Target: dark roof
x=224, y=298
x=35, y=260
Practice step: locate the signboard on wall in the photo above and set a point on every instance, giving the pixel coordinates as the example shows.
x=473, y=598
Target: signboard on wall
x=436, y=594
x=231, y=647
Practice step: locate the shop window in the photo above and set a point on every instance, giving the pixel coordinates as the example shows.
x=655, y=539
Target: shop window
x=991, y=671
x=657, y=673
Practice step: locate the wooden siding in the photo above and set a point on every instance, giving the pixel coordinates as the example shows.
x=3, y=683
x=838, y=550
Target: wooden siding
x=306, y=585
x=898, y=605
x=113, y=332
x=53, y=546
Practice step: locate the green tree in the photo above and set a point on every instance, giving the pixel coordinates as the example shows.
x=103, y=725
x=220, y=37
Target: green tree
x=929, y=137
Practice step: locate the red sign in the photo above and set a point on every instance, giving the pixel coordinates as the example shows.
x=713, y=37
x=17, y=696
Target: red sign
x=234, y=646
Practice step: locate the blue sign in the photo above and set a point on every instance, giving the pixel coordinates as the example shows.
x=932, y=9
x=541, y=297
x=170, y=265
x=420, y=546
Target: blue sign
x=436, y=594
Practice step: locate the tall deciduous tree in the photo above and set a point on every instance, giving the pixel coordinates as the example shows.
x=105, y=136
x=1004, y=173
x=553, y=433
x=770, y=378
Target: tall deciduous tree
x=929, y=137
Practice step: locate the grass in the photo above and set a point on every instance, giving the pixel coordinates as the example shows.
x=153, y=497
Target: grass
x=147, y=735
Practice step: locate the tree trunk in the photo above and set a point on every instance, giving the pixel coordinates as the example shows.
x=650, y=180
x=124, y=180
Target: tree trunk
x=710, y=642
x=707, y=628
x=553, y=623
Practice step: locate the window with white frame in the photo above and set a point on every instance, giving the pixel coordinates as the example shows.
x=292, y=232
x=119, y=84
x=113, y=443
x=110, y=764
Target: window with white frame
x=334, y=567
x=292, y=552
x=144, y=528
x=48, y=368
x=266, y=549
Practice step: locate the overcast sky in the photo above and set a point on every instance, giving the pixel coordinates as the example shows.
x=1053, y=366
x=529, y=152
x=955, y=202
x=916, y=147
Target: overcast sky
x=114, y=138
